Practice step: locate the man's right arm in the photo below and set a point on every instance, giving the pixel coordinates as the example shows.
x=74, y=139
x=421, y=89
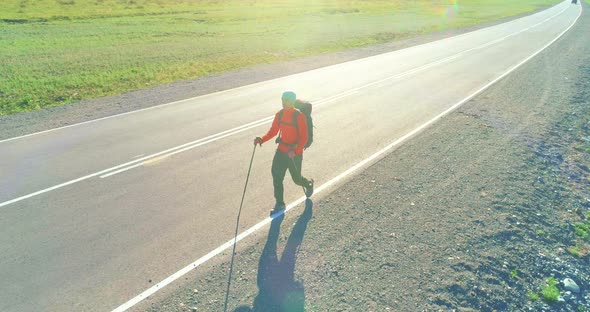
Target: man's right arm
x=274, y=129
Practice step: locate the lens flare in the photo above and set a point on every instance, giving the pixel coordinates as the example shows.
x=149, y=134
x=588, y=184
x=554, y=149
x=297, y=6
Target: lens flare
x=449, y=8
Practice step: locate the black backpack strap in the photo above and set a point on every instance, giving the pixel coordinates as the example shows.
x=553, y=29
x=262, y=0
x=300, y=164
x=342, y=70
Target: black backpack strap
x=281, y=115
x=295, y=115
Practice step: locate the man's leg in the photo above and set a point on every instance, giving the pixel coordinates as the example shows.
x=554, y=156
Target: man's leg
x=295, y=171
x=295, y=166
x=280, y=164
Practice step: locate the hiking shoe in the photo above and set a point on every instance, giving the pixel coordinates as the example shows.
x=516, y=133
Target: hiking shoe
x=309, y=189
x=277, y=208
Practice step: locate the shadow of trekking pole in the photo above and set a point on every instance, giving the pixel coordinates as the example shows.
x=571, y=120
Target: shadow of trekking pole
x=277, y=289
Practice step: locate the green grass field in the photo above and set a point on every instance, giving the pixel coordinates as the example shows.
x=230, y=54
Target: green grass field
x=54, y=52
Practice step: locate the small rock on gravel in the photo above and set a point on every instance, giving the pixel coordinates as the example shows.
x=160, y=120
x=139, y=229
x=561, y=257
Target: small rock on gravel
x=570, y=285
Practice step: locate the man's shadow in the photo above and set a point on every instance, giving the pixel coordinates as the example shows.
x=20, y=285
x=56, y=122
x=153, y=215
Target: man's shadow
x=277, y=288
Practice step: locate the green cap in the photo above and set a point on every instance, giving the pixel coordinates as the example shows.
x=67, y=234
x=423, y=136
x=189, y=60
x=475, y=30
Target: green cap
x=289, y=96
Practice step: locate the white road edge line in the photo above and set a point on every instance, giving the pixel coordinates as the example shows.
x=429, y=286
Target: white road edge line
x=241, y=87
x=150, y=291
x=186, y=146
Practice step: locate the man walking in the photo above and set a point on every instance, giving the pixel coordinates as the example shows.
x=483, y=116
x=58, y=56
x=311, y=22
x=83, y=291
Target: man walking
x=292, y=125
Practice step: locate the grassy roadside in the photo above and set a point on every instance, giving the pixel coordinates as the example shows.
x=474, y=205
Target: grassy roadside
x=57, y=52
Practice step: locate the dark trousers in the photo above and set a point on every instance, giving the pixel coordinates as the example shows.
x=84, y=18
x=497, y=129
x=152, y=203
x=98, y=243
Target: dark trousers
x=280, y=163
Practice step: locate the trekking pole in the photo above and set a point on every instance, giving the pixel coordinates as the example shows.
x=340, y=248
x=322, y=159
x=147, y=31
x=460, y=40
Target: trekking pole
x=231, y=266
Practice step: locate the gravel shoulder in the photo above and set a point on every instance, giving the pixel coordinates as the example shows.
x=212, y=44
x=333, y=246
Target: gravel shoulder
x=31, y=122
x=473, y=214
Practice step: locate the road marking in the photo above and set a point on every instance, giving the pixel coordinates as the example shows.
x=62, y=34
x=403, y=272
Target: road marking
x=216, y=138
x=124, y=165
x=250, y=85
x=150, y=291
x=155, y=161
x=212, y=138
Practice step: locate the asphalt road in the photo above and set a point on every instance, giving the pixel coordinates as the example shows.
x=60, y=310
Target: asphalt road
x=90, y=214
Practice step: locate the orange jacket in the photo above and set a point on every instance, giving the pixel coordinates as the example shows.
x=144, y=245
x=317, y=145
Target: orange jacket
x=291, y=139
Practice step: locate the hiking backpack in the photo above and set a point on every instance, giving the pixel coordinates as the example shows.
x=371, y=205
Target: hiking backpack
x=305, y=108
